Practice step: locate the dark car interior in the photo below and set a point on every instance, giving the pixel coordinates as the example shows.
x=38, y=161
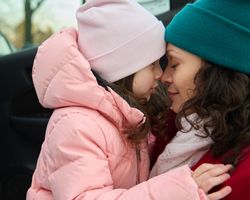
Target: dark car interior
x=24, y=120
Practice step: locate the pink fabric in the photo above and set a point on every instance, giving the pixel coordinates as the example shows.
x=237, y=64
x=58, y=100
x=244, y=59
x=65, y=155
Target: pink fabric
x=84, y=155
x=115, y=44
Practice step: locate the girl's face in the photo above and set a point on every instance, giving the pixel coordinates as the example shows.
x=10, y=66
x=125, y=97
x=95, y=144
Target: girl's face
x=179, y=75
x=146, y=80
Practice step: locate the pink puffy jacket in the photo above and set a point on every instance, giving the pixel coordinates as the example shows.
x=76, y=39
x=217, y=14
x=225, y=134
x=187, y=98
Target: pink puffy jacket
x=84, y=155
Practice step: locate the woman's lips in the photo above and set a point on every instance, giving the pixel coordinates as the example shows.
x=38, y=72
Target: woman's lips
x=172, y=94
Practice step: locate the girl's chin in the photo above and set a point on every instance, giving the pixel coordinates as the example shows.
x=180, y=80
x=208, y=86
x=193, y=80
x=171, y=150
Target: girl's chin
x=148, y=96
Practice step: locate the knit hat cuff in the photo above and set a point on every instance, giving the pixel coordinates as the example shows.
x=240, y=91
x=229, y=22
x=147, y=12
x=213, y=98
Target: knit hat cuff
x=187, y=31
x=131, y=61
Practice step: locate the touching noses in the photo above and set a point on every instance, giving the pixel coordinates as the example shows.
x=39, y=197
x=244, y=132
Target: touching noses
x=166, y=77
x=158, y=73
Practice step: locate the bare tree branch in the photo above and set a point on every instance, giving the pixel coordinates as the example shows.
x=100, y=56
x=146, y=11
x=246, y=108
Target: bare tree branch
x=39, y=3
x=29, y=11
x=7, y=42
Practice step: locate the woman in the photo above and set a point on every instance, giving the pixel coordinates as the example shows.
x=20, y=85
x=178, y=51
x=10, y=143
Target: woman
x=207, y=77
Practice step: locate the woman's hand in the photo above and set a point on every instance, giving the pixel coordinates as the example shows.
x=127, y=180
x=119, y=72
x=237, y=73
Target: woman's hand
x=208, y=176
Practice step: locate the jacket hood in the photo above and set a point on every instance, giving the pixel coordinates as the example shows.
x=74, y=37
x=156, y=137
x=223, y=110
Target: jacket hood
x=62, y=77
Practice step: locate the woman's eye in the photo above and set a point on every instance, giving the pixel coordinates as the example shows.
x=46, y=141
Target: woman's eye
x=173, y=66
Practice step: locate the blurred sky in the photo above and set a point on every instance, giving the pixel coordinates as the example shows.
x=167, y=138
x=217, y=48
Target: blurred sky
x=54, y=13
x=58, y=13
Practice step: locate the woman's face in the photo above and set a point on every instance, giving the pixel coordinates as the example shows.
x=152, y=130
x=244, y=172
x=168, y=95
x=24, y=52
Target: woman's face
x=146, y=80
x=179, y=75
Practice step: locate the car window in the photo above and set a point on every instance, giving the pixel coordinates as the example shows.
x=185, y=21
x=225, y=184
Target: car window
x=156, y=7
x=27, y=23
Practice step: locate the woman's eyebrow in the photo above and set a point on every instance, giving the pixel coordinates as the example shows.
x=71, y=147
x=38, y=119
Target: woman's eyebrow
x=169, y=50
x=172, y=54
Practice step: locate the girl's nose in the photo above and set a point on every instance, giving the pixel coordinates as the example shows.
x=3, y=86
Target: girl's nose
x=158, y=72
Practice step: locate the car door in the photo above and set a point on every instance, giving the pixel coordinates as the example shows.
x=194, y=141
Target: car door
x=23, y=123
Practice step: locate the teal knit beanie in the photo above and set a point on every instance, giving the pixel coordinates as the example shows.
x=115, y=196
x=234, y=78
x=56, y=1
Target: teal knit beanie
x=215, y=30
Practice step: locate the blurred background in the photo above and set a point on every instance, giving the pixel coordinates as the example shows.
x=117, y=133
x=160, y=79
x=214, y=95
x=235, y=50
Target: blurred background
x=26, y=23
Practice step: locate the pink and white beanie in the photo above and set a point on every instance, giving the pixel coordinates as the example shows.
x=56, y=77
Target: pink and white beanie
x=119, y=37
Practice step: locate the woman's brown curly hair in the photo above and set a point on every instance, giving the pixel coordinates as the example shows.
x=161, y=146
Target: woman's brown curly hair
x=222, y=96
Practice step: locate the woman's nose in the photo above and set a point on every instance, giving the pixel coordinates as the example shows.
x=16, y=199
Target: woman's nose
x=166, y=77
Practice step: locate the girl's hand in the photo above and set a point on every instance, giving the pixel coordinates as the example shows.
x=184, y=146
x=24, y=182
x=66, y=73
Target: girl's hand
x=208, y=176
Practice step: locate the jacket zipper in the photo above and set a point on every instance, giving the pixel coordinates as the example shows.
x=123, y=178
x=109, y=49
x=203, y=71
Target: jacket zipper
x=138, y=161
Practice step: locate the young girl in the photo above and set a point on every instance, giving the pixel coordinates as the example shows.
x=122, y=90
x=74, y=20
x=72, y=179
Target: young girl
x=96, y=140
x=208, y=83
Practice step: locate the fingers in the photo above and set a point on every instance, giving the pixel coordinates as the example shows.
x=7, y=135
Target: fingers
x=219, y=179
x=211, y=169
x=210, y=176
x=220, y=194
x=211, y=182
x=219, y=169
x=203, y=168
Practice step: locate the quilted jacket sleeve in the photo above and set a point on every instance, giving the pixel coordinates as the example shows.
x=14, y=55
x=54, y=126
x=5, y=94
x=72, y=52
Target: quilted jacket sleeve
x=82, y=171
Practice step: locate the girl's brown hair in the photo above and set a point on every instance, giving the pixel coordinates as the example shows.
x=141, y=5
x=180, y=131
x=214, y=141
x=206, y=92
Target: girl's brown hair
x=222, y=97
x=123, y=87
